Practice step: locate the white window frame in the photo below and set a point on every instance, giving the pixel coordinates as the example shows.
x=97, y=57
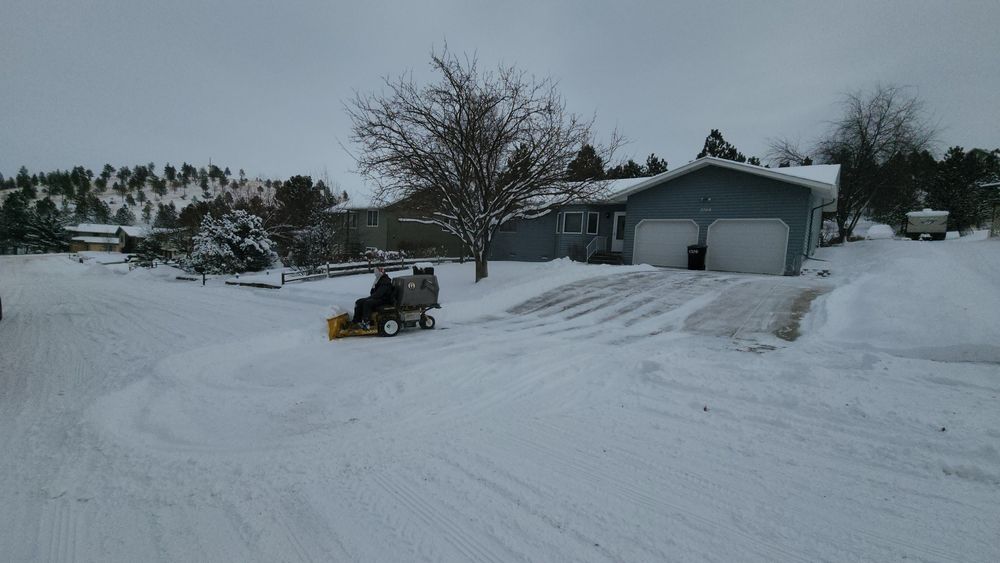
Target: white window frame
x=368, y=218
x=597, y=224
x=582, y=226
x=559, y=223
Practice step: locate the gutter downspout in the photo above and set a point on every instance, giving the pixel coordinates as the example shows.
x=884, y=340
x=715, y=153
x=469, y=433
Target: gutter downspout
x=809, y=231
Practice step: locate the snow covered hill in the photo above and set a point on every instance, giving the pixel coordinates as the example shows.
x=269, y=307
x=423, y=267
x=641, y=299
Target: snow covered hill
x=561, y=412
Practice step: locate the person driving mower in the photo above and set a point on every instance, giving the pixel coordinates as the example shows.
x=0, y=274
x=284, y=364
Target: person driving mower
x=380, y=294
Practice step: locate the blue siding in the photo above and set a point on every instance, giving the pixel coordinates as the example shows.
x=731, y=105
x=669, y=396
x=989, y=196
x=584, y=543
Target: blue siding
x=537, y=240
x=716, y=193
x=534, y=241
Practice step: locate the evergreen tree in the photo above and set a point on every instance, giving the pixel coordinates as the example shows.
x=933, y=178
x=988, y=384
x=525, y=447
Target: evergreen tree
x=45, y=228
x=124, y=216
x=166, y=216
x=236, y=242
x=587, y=165
x=956, y=187
x=628, y=169
x=655, y=165
x=147, y=213
x=717, y=146
x=14, y=218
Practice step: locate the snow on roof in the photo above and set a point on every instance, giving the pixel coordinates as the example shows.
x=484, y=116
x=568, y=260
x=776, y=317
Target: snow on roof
x=97, y=240
x=616, y=187
x=823, y=178
x=93, y=228
x=361, y=198
x=826, y=173
x=133, y=231
x=926, y=213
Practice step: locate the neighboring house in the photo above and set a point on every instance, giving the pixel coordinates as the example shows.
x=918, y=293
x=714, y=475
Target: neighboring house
x=131, y=237
x=104, y=238
x=752, y=219
x=94, y=237
x=370, y=225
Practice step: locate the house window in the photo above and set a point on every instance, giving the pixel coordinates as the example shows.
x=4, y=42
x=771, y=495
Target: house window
x=352, y=220
x=559, y=222
x=509, y=226
x=592, y=222
x=372, y=217
x=573, y=223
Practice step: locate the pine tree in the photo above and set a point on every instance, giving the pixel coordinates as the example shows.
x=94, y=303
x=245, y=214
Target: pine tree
x=236, y=242
x=124, y=216
x=655, y=165
x=587, y=165
x=717, y=146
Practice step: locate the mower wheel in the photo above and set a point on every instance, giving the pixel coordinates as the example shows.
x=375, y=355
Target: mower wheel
x=426, y=321
x=388, y=326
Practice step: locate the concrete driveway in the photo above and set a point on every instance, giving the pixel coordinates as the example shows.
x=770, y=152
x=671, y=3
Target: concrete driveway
x=737, y=306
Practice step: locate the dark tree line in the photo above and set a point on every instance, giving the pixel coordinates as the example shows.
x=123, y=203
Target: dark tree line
x=300, y=215
x=589, y=165
x=883, y=141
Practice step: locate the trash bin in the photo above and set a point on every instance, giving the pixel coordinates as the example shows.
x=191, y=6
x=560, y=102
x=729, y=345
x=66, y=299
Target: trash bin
x=696, y=256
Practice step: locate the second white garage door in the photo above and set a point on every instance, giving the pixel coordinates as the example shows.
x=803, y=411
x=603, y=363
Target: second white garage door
x=664, y=242
x=747, y=245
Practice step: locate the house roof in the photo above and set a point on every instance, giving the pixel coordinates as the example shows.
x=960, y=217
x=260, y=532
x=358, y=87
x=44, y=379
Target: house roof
x=93, y=228
x=133, y=231
x=822, y=179
x=97, y=240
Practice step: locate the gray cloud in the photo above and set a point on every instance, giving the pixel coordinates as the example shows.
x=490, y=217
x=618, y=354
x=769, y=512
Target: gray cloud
x=261, y=85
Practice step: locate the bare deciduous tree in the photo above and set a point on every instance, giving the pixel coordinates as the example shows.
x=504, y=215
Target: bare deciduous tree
x=472, y=151
x=875, y=128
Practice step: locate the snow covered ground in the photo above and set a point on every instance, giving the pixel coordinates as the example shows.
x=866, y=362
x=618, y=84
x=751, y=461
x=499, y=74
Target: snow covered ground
x=560, y=412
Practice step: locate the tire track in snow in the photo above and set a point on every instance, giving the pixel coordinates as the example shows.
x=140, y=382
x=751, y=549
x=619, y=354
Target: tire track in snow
x=58, y=529
x=530, y=500
x=466, y=543
x=574, y=467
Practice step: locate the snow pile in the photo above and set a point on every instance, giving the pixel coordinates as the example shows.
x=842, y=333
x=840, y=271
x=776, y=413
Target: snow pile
x=879, y=231
x=921, y=300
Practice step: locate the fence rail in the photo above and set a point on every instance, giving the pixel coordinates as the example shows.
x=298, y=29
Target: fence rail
x=334, y=270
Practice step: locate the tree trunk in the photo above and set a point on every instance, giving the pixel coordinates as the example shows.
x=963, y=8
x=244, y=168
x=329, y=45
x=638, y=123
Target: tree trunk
x=482, y=267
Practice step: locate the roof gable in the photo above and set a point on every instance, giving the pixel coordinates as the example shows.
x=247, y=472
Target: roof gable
x=821, y=179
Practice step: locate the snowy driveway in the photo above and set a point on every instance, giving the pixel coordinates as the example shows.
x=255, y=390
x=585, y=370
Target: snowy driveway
x=601, y=415
x=623, y=307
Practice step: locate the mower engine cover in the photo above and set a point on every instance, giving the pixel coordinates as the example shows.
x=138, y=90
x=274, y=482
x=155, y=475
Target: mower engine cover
x=416, y=291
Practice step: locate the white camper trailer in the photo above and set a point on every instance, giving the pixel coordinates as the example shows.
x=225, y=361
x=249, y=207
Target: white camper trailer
x=933, y=224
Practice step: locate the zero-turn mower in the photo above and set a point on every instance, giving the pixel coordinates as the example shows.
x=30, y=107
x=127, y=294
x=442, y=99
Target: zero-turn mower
x=412, y=297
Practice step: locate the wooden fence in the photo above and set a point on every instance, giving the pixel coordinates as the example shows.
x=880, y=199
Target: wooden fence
x=334, y=270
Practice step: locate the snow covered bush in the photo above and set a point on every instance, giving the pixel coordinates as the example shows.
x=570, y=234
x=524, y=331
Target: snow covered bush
x=236, y=242
x=376, y=255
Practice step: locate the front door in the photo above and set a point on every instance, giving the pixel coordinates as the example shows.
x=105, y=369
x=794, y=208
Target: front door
x=618, y=233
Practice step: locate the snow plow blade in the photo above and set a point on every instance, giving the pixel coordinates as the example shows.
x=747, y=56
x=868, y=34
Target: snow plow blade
x=341, y=327
x=336, y=324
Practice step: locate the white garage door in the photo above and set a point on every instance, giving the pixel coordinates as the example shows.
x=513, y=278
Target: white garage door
x=747, y=245
x=664, y=242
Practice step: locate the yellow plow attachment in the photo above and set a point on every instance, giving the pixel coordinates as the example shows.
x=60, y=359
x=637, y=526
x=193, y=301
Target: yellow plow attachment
x=341, y=327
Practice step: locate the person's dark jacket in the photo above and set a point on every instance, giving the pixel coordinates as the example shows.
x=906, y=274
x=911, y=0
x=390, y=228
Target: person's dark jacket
x=382, y=290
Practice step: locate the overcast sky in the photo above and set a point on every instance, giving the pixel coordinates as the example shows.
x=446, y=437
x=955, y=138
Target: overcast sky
x=262, y=85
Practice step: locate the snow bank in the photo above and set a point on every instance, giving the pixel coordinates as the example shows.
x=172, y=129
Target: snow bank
x=919, y=299
x=876, y=232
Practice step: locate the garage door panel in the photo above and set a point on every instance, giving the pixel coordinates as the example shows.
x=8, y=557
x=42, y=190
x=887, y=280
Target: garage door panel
x=747, y=245
x=664, y=242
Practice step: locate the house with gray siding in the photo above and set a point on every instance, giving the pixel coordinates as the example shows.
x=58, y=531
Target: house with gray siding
x=367, y=224
x=751, y=219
